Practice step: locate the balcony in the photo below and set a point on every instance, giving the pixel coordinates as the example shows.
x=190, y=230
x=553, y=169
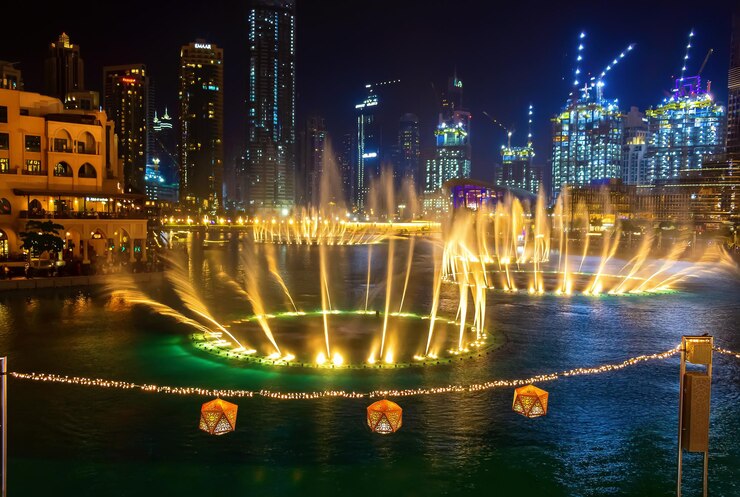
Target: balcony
x=34, y=173
x=82, y=215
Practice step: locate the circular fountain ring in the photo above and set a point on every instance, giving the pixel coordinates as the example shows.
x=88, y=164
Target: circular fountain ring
x=520, y=278
x=217, y=346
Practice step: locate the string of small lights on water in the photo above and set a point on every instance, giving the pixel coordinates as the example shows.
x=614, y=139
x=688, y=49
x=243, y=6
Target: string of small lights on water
x=241, y=393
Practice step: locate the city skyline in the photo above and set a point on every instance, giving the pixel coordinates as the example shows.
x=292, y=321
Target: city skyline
x=325, y=88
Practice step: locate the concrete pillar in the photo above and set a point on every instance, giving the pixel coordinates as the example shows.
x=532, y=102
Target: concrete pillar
x=131, y=243
x=85, y=259
x=143, y=250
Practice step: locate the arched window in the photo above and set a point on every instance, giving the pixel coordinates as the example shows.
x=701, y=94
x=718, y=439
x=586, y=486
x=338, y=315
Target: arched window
x=4, y=249
x=5, y=207
x=87, y=171
x=62, y=141
x=62, y=169
x=34, y=206
x=86, y=143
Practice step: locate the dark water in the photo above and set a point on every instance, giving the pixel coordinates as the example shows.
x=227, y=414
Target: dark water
x=607, y=434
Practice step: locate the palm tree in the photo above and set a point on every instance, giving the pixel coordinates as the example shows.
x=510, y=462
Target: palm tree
x=42, y=236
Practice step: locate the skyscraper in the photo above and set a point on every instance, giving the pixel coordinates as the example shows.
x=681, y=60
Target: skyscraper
x=683, y=130
x=63, y=68
x=453, y=151
x=267, y=181
x=311, y=161
x=164, y=146
x=367, y=155
x=409, y=143
x=634, y=160
x=517, y=170
x=126, y=101
x=201, y=126
x=586, y=140
x=733, y=89
x=345, y=157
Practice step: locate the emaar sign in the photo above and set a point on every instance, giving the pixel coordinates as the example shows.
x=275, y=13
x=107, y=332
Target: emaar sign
x=204, y=46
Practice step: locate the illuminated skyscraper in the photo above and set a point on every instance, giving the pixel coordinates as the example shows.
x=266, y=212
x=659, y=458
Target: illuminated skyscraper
x=683, y=131
x=267, y=181
x=164, y=146
x=312, y=147
x=64, y=70
x=733, y=89
x=367, y=159
x=409, y=144
x=634, y=160
x=586, y=141
x=126, y=101
x=517, y=170
x=452, y=160
x=201, y=126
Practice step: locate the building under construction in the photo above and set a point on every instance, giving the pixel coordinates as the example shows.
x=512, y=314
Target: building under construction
x=685, y=131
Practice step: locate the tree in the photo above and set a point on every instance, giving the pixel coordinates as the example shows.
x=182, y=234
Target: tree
x=41, y=236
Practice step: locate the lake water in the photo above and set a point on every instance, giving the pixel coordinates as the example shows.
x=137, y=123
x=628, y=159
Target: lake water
x=606, y=434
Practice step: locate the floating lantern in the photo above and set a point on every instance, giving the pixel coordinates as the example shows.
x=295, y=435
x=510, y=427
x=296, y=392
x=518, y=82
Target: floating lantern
x=384, y=417
x=530, y=401
x=218, y=417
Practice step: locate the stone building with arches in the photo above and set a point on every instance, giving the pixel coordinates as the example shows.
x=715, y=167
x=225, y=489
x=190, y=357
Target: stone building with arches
x=63, y=165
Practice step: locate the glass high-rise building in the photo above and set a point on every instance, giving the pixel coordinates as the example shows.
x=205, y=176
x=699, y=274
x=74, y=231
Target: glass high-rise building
x=64, y=70
x=367, y=149
x=684, y=130
x=453, y=152
x=266, y=182
x=409, y=143
x=201, y=126
x=126, y=101
x=311, y=152
x=586, y=141
x=634, y=151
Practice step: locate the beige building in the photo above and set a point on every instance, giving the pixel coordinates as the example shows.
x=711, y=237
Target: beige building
x=63, y=165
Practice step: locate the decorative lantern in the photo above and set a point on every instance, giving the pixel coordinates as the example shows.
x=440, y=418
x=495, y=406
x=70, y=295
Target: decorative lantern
x=530, y=401
x=218, y=417
x=384, y=417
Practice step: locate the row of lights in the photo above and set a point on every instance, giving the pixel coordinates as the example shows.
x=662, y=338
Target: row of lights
x=475, y=387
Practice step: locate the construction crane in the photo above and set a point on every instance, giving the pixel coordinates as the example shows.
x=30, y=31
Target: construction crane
x=509, y=132
x=710, y=52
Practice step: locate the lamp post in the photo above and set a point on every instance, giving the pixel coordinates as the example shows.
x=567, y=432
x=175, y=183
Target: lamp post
x=4, y=407
x=693, y=403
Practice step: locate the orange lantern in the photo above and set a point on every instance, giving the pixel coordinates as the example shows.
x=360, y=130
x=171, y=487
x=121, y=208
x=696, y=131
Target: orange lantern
x=384, y=417
x=530, y=401
x=218, y=417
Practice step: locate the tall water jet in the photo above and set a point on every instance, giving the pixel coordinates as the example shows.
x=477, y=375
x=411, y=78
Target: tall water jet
x=254, y=296
x=189, y=296
x=435, y=298
x=409, y=260
x=325, y=300
x=272, y=267
x=369, y=267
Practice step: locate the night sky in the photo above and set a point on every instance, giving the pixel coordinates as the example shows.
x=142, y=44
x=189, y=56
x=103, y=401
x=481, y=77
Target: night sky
x=508, y=55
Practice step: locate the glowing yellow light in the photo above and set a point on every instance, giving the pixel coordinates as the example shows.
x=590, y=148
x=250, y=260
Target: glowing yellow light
x=274, y=355
x=371, y=359
x=389, y=357
x=321, y=359
x=337, y=359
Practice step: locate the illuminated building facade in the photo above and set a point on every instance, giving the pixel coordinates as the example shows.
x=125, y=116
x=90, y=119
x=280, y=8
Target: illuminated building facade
x=63, y=166
x=683, y=130
x=587, y=142
x=634, y=153
x=164, y=146
x=409, y=144
x=126, y=101
x=312, y=147
x=10, y=76
x=64, y=70
x=367, y=151
x=345, y=158
x=453, y=152
x=733, y=90
x=201, y=127
x=267, y=182
x=516, y=170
